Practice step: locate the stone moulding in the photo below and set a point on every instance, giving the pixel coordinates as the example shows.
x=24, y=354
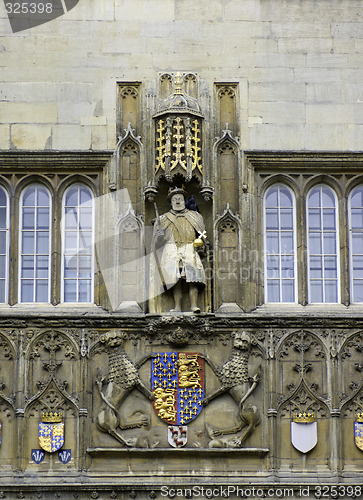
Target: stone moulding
x=330, y=160
x=197, y=452
x=55, y=159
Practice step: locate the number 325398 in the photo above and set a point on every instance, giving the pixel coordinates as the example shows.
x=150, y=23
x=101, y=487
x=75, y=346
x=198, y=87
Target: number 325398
x=28, y=8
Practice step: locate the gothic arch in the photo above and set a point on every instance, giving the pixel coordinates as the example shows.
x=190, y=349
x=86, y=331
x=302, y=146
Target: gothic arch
x=227, y=258
x=302, y=358
x=166, y=85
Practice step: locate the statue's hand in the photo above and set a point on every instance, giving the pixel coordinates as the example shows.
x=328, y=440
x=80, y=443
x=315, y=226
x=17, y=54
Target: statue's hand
x=160, y=233
x=256, y=378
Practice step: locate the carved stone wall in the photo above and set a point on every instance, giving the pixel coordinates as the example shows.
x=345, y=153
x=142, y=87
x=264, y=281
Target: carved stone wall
x=100, y=379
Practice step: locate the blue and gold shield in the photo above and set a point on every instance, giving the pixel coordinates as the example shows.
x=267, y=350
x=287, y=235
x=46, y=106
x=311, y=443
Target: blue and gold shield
x=178, y=385
x=51, y=436
x=358, y=434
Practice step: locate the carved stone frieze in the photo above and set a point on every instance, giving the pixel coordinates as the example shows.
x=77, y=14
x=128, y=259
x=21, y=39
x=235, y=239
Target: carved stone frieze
x=351, y=376
x=302, y=373
x=234, y=378
x=123, y=377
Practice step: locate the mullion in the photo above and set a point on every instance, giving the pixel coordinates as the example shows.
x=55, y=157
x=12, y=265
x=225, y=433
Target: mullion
x=78, y=239
x=322, y=244
x=279, y=229
x=4, y=280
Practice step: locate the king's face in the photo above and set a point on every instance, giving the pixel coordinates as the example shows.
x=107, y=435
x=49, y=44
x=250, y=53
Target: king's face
x=177, y=202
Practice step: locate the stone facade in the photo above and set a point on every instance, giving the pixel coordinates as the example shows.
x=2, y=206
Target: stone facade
x=129, y=98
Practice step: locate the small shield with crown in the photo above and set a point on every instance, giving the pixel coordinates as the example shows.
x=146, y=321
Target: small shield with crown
x=51, y=431
x=304, y=434
x=358, y=431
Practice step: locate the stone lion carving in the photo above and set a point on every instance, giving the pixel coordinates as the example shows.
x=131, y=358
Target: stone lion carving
x=123, y=377
x=233, y=375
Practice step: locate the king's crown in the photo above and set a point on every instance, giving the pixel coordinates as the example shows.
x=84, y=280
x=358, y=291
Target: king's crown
x=303, y=418
x=52, y=416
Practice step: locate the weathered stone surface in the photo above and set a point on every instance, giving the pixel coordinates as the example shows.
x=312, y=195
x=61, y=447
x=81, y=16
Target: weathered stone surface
x=291, y=72
x=30, y=136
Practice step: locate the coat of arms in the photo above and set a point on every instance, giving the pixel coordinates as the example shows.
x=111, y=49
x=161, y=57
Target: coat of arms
x=358, y=431
x=304, y=435
x=178, y=386
x=51, y=432
x=177, y=435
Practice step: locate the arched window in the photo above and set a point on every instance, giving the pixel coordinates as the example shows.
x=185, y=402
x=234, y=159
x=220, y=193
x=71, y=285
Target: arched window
x=323, y=272
x=77, y=244
x=35, y=239
x=280, y=244
x=355, y=216
x=4, y=244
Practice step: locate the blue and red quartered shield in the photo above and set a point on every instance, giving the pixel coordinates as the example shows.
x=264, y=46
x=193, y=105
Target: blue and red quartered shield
x=51, y=436
x=358, y=434
x=178, y=385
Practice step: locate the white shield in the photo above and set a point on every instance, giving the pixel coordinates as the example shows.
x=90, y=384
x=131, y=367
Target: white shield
x=304, y=436
x=177, y=435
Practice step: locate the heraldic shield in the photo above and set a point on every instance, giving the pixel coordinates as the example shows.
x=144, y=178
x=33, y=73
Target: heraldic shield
x=178, y=385
x=304, y=433
x=51, y=432
x=358, y=431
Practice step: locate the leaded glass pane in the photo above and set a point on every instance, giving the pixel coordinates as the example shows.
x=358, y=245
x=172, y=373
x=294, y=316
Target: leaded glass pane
x=70, y=291
x=287, y=242
x=3, y=243
x=272, y=219
x=271, y=197
x=72, y=197
x=331, y=292
x=3, y=215
x=288, y=291
x=358, y=290
x=356, y=243
x=328, y=198
x=273, y=291
x=272, y=239
x=358, y=266
x=2, y=266
x=322, y=245
x=285, y=197
x=2, y=290
x=316, y=291
x=280, y=259
x=78, y=244
x=35, y=245
x=286, y=219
